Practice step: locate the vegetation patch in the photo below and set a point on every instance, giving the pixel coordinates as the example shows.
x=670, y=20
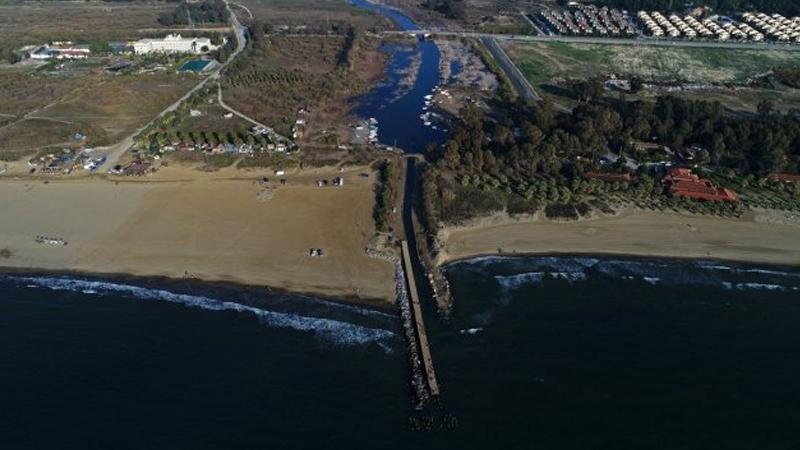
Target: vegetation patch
x=386, y=190
x=540, y=62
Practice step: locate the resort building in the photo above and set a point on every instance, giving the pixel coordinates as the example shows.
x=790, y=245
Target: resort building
x=60, y=50
x=684, y=183
x=174, y=43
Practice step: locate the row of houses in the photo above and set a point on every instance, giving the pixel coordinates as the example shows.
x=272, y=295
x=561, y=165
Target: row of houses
x=776, y=26
x=757, y=27
x=589, y=20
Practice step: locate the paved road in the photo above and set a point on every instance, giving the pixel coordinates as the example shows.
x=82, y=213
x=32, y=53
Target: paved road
x=609, y=41
x=521, y=84
x=531, y=23
x=115, y=152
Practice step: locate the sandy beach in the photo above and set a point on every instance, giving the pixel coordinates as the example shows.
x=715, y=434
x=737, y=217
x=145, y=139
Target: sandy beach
x=641, y=233
x=213, y=227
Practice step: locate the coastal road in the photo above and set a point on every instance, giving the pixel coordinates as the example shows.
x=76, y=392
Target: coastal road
x=115, y=152
x=641, y=42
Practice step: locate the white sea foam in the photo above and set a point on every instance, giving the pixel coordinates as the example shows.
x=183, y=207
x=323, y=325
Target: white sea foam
x=652, y=280
x=761, y=286
x=514, y=281
x=758, y=286
x=334, y=331
x=710, y=265
x=472, y=331
x=772, y=272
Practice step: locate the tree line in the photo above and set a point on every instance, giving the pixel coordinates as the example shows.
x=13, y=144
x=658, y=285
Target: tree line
x=207, y=11
x=453, y=9
x=525, y=142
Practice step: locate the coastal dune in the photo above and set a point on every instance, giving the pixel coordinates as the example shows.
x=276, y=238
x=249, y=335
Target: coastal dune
x=641, y=233
x=208, y=229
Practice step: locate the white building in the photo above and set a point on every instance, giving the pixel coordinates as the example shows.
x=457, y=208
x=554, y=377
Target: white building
x=59, y=50
x=174, y=43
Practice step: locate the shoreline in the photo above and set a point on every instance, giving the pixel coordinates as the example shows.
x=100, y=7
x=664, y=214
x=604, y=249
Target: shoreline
x=444, y=266
x=211, y=228
x=632, y=234
x=194, y=286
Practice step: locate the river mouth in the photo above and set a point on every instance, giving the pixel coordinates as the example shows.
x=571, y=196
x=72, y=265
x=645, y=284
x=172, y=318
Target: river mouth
x=399, y=106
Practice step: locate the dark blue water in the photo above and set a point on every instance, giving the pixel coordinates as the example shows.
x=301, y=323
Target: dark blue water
x=455, y=69
x=397, y=108
x=569, y=353
x=103, y=365
x=556, y=353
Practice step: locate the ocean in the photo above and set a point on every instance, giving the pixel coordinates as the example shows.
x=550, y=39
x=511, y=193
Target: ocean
x=541, y=352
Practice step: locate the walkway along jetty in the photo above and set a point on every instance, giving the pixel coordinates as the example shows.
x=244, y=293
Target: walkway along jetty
x=419, y=323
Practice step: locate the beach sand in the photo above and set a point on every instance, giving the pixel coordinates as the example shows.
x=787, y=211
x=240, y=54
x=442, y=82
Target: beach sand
x=211, y=228
x=640, y=233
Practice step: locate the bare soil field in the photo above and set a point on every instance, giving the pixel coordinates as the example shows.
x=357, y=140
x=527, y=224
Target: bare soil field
x=214, y=228
x=634, y=232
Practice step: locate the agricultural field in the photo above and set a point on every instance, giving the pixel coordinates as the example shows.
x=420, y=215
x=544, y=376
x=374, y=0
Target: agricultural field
x=314, y=15
x=271, y=83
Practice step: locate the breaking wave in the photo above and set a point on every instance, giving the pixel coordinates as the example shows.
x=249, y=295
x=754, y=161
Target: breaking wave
x=333, y=331
x=759, y=286
x=514, y=281
x=517, y=271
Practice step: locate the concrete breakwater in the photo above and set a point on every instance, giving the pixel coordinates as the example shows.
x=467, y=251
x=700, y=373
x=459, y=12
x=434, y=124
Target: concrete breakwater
x=419, y=389
x=419, y=323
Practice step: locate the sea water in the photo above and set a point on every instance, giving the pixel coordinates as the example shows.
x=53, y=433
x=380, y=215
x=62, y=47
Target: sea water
x=556, y=353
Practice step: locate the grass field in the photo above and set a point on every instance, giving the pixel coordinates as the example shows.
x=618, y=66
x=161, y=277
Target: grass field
x=21, y=93
x=23, y=23
x=105, y=108
x=541, y=62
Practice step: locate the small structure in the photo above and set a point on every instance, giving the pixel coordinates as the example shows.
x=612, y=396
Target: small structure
x=682, y=182
x=138, y=168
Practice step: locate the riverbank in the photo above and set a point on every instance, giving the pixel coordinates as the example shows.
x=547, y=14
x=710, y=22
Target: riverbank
x=638, y=233
x=237, y=230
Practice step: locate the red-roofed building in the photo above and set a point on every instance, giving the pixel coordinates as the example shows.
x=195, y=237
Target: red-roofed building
x=684, y=183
